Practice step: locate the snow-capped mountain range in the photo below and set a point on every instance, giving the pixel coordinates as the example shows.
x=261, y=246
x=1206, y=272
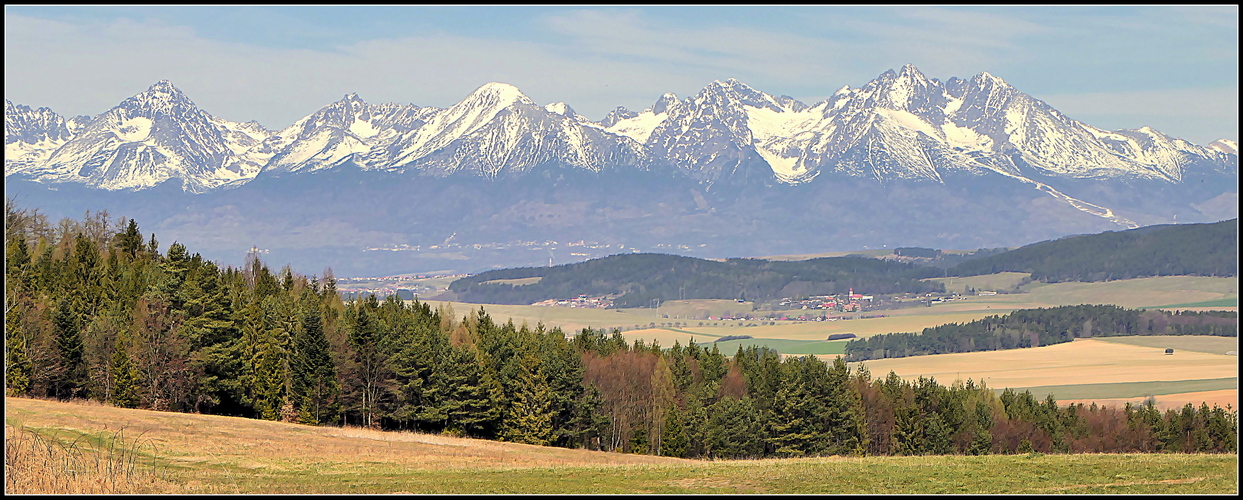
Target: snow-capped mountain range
x=902, y=125
x=498, y=179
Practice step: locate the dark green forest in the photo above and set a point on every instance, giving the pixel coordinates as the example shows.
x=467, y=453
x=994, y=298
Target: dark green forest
x=1041, y=327
x=1166, y=250
x=95, y=310
x=643, y=277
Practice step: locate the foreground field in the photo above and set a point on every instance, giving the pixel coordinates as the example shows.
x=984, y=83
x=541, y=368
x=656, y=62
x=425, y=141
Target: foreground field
x=213, y=454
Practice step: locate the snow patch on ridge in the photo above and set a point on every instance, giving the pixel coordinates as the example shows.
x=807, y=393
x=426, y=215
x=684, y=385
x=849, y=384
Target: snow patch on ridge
x=640, y=127
x=136, y=129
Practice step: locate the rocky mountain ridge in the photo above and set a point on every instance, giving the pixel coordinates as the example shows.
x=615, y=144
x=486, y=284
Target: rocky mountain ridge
x=902, y=125
x=500, y=180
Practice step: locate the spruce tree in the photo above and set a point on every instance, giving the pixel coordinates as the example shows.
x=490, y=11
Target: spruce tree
x=314, y=378
x=125, y=377
x=528, y=418
x=473, y=397
x=72, y=374
x=675, y=442
x=17, y=366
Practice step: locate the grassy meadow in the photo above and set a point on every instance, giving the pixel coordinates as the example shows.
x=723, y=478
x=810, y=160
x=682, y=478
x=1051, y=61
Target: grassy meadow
x=999, y=281
x=208, y=454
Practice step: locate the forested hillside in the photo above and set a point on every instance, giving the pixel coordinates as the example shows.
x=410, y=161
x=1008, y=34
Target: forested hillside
x=1041, y=327
x=1167, y=250
x=643, y=277
x=93, y=310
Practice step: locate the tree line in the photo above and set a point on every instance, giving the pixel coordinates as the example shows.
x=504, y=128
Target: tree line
x=1165, y=250
x=95, y=310
x=639, y=278
x=1041, y=327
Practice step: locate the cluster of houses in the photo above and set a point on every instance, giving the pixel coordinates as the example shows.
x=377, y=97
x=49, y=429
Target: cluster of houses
x=581, y=301
x=851, y=302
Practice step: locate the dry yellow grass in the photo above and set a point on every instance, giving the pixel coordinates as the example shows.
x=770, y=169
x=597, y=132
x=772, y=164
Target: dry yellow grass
x=1171, y=401
x=1084, y=361
x=201, y=454
x=110, y=463
x=193, y=438
x=666, y=337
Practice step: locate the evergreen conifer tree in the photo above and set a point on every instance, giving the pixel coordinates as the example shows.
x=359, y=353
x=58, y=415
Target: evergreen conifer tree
x=125, y=377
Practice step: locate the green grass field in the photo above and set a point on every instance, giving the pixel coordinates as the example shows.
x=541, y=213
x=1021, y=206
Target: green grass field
x=1036, y=474
x=208, y=454
x=1231, y=302
x=785, y=346
x=999, y=281
x=1129, y=389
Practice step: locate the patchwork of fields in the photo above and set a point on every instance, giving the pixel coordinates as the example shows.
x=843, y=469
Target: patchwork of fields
x=208, y=454
x=1096, y=365
x=1086, y=369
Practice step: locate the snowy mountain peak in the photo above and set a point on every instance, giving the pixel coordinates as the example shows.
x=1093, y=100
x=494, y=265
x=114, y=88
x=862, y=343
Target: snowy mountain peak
x=666, y=101
x=163, y=90
x=560, y=108
x=910, y=71
x=498, y=94
x=1225, y=146
x=900, y=125
x=163, y=86
x=985, y=76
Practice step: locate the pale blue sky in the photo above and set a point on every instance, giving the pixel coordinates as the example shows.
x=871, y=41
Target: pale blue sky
x=1172, y=68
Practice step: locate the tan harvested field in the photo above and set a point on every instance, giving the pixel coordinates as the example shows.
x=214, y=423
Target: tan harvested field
x=666, y=337
x=1171, y=401
x=200, y=454
x=237, y=442
x=1084, y=361
x=1197, y=343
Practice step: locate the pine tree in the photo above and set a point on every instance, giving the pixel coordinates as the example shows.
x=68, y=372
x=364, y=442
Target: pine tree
x=472, y=396
x=937, y=435
x=16, y=260
x=125, y=378
x=72, y=373
x=675, y=442
x=130, y=241
x=314, y=378
x=17, y=366
x=529, y=416
x=982, y=442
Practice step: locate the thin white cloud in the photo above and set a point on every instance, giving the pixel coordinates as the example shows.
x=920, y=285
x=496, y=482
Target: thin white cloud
x=1202, y=115
x=598, y=59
